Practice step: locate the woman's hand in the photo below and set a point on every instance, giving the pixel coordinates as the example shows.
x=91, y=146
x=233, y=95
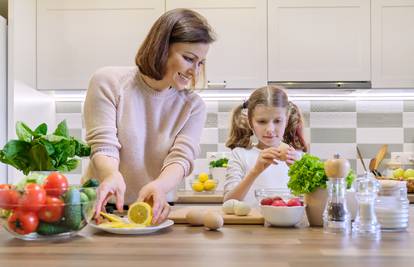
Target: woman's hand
x=153, y=194
x=291, y=156
x=113, y=185
x=266, y=157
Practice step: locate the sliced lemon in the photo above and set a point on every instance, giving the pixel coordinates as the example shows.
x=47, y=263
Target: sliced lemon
x=112, y=217
x=202, y=177
x=121, y=225
x=140, y=213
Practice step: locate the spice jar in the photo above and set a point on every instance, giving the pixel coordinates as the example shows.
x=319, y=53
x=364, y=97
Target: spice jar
x=336, y=217
x=392, y=206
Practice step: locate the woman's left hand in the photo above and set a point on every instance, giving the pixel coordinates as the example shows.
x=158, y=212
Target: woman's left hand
x=152, y=194
x=291, y=156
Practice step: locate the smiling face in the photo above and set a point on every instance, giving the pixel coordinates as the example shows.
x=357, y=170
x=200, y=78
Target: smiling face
x=184, y=64
x=268, y=124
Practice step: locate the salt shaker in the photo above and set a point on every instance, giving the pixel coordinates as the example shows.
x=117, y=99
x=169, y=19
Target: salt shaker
x=336, y=217
x=366, y=223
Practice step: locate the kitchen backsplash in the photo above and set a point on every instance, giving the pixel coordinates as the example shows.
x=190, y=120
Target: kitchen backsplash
x=330, y=127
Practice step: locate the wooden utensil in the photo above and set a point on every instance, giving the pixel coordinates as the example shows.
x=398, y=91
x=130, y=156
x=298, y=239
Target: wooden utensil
x=372, y=167
x=380, y=156
x=360, y=158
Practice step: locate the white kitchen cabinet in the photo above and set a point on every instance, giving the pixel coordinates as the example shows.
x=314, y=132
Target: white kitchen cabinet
x=238, y=58
x=76, y=37
x=392, y=43
x=319, y=40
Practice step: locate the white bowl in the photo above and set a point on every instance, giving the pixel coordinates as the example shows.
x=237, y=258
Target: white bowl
x=282, y=216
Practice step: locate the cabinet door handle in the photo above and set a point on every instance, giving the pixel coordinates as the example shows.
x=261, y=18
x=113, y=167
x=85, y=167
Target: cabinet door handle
x=216, y=85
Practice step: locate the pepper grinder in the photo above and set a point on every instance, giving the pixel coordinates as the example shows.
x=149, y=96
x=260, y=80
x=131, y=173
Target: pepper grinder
x=366, y=224
x=336, y=217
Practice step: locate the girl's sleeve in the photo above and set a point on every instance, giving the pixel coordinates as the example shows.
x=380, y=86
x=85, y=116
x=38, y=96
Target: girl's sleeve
x=235, y=171
x=186, y=146
x=100, y=109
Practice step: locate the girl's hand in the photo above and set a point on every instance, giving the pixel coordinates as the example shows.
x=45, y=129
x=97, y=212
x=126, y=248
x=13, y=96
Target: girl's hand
x=266, y=157
x=291, y=156
x=113, y=185
x=152, y=194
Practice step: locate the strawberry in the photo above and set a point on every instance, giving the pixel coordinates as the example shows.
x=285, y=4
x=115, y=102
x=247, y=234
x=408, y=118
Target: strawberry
x=267, y=201
x=294, y=202
x=279, y=203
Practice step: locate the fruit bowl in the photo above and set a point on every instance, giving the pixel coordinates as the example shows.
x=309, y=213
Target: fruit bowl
x=37, y=212
x=279, y=207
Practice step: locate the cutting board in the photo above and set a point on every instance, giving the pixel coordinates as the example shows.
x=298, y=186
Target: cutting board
x=178, y=215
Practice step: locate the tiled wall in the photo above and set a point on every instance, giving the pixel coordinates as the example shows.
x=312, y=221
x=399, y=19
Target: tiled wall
x=330, y=127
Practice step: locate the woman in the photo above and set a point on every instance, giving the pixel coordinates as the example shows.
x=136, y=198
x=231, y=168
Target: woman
x=142, y=123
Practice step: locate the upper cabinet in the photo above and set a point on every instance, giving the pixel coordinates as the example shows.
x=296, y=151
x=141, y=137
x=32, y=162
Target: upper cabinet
x=319, y=40
x=76, y=37
x=392, y=43
x=238, y=59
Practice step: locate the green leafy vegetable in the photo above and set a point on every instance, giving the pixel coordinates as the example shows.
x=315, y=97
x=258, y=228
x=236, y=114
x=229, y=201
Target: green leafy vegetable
x=308, y=174
x=35, y=150
x=219, y=163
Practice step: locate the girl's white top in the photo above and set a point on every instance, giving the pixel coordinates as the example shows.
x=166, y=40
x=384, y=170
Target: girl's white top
x=242, y=161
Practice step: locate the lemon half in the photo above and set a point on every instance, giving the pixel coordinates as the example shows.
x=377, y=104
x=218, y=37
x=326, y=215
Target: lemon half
x=140, y=213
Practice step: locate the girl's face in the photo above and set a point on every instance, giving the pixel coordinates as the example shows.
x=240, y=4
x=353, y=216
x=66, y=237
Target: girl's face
x=268, y=124
x=184, y=63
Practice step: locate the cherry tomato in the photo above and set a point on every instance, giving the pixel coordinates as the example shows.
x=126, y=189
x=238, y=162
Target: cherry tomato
x=23, y=222
x=56, y=184
x=52, y=211
x=8, y=197
x=33, y=199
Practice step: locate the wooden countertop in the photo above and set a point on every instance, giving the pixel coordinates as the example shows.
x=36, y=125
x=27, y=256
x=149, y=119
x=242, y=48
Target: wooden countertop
x=191, y=197
x=233, y=245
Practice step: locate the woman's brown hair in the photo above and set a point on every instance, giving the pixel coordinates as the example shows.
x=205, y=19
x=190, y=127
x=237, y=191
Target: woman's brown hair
x=175, y=26
x=271, y=96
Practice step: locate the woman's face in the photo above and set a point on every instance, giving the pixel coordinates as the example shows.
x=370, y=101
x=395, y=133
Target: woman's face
x=185, y=60
x=268, y=124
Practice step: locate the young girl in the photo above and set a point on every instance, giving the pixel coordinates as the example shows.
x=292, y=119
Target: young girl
x=277, y=125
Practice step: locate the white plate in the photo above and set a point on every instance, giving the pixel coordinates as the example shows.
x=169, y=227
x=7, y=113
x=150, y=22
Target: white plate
x=134, y=231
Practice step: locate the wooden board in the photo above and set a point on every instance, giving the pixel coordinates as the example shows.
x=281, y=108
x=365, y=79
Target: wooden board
x=187, y=197
x=178, y=214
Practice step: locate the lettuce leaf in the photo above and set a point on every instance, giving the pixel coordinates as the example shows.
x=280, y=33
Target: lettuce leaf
x=308, y=174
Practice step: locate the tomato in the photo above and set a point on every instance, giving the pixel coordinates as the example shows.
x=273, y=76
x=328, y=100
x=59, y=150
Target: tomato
x=23, y=222
x=8, y=197
x=52, y=211
x=56, y=184
x=33, y=199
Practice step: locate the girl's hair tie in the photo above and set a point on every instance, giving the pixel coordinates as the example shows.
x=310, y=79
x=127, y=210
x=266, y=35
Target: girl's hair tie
x=245, y=103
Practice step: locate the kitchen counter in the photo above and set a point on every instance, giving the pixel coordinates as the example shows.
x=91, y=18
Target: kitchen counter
x=233, y=245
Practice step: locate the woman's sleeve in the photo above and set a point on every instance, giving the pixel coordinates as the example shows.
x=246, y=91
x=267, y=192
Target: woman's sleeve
x=235, y=171
x=186, y=146
x=100, y=109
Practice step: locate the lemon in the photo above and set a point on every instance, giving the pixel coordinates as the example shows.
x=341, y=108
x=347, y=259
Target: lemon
x=198, y=186
x=112, y=217
x=210, y=185
x=140, y=213
x=121, y=225
x=202, y=177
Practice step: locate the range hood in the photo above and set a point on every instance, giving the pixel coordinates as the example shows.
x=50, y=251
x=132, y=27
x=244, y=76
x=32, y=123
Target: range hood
x=323, y=84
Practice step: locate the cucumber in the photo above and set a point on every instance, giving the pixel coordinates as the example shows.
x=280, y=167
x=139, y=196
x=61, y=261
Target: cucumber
x=73, y=209
x=90, y=192
x=51, y=229
x=91, y=183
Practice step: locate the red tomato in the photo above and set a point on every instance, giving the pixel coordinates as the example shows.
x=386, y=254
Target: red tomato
x=52, y=211
x=8, y=197
x=23, y=222
x=33, y=199
x=56, y=184
x=279, y=203
x=294, y=202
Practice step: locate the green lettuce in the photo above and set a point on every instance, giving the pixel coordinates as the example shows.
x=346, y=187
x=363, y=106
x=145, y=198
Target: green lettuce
x=36, y=150
x=308, y=174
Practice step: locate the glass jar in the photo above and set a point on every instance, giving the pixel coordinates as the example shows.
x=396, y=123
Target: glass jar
x=392, y=206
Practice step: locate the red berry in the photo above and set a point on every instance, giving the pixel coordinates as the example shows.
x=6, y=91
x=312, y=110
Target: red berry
x=279, y=203
x=276, y=198
x=267, y=201
x=294, y=202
